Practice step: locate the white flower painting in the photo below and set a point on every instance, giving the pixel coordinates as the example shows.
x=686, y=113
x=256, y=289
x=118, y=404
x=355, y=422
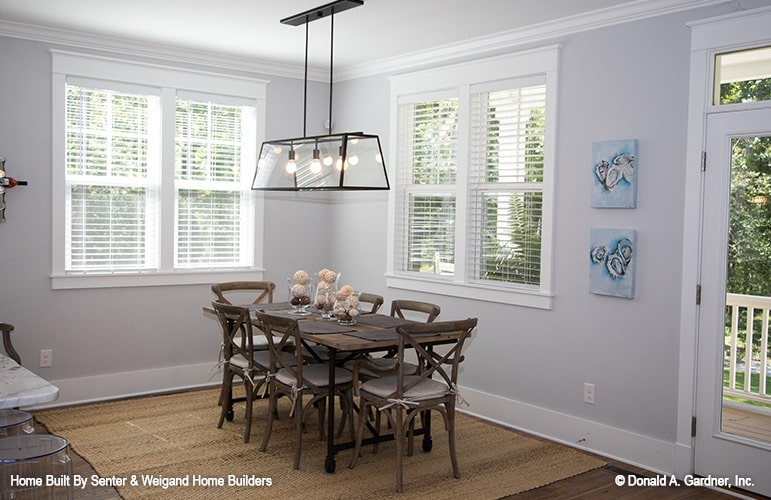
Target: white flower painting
x=614, y=172
x=612, y=256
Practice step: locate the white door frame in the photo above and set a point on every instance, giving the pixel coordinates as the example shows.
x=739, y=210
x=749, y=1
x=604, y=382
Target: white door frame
x=708, y=37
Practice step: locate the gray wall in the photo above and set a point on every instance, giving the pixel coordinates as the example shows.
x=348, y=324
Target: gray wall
x=615, y=83
x=626, y=81
x=116, y=330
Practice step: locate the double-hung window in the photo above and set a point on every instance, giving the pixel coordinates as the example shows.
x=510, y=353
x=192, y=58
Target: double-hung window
x=474, y=159
x=152, y=173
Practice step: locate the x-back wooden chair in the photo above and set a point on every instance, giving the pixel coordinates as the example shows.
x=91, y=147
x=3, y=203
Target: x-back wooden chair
x=402, y=397
x=241, y=360
x=290, y=376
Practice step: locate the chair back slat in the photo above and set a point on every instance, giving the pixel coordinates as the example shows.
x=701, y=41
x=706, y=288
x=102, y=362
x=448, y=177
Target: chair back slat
x=263, y=289
x=237, y=333
x=372, y=298
x=399, y=306
x=430, y=363
x=283, y=336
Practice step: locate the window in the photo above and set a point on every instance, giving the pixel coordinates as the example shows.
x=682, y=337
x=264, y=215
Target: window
x=743, y=76
x=213, y=205
x=153, y=182
x=471, y=206
x=112, y=179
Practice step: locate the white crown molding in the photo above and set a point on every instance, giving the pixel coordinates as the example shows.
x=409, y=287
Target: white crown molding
x=155, y=51
x=508, y=40
x=484, y=45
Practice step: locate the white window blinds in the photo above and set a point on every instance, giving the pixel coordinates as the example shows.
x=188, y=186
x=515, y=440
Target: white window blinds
x=214, y=146
x=428, y=133
x=506, y=184
x=111, y=179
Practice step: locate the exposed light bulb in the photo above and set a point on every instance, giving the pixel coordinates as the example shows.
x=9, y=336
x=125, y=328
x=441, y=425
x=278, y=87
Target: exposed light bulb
x=339, y=164
x=328, y=161
x=277, y=150
x=291, y=164
x=315, y=163
x=354, y=160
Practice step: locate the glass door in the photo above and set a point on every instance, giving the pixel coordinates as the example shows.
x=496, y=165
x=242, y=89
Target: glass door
x=733, y=409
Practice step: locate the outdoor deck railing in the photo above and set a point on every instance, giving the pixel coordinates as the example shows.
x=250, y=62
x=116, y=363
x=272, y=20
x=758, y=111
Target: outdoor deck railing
x=757, y=314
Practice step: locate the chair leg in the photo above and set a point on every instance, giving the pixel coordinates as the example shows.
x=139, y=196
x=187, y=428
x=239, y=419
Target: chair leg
x=299, y=434
x=377, y=431
x=322, y=409
x=363, y=413
x=272, y=412
x=451, y=441
x=399, y=435
x=222, y=390
x=349, y=403
x=226, y=394
x=248, y=415
x=410, y=437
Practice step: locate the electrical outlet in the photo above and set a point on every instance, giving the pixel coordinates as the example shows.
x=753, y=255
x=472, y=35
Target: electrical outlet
x=46, y=358
x=589, y=394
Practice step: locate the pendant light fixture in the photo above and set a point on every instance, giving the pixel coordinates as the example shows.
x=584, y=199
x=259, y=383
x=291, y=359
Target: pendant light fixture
x=349, y=161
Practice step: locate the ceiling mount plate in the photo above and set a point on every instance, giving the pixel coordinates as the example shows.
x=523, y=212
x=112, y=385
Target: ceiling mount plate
x=321, y=12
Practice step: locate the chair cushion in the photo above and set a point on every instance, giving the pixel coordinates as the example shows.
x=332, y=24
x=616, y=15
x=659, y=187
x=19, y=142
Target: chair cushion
x=426, y=389
x=261, y=359
x=258, y=341
x=317, y=374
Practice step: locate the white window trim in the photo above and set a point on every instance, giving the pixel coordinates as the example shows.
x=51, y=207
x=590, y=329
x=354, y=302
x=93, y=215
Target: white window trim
x=462, y=76
x=66, y=64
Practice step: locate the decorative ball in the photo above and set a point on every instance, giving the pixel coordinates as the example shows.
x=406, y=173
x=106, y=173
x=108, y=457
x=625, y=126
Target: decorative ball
x=297, y=290
x=301, y=277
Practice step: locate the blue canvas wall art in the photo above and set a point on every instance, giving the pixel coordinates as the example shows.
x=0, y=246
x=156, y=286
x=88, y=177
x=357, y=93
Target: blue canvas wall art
x=612, y=257
x=614, y=174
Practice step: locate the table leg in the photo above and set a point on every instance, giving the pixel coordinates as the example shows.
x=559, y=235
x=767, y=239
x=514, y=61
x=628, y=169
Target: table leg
x=425, y=418
x=329, y=463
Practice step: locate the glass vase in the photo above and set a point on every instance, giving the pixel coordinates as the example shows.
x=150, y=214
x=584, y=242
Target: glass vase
x=347, y=309
x=299, y=296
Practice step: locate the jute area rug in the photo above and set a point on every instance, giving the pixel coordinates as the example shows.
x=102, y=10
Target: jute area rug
x=175, y=439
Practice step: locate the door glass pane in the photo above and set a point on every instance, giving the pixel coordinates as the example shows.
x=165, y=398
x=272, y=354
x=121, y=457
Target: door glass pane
x=747, y=363
x=743, y=76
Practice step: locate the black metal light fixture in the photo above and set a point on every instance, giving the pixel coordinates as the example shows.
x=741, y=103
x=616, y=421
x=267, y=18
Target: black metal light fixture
x=348, y=161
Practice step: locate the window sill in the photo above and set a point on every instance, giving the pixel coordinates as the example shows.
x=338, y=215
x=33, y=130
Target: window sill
x=440, y=286
x=119, y=280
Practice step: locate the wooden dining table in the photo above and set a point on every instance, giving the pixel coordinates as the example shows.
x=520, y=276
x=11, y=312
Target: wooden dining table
x=371, y=333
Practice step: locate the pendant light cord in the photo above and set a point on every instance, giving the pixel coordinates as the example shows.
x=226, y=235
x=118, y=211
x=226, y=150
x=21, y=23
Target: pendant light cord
x=331, y=65
x=305, y=88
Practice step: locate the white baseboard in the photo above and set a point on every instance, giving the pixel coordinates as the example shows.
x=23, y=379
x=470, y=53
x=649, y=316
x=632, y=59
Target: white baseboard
x=129, y=384
x=611, y=442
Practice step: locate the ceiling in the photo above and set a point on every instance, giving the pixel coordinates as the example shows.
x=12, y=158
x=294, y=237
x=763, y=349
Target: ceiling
x=380, y=29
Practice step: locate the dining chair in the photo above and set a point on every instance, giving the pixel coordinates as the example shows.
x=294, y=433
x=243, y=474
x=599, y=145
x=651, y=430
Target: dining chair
x=292, y=377
x=371, y=298
x=404, y=308
x=255, y=292
x=240, y=359
x=402, y=397
x=242, y=293
x=7, y=328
